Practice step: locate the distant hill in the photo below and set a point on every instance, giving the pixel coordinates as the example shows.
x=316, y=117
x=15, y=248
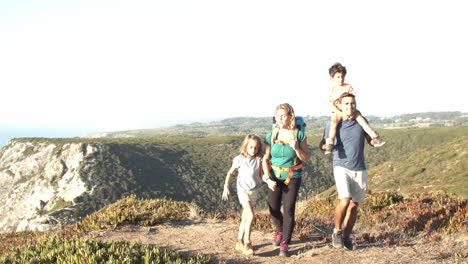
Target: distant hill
x=261, y=125
x=441, y=167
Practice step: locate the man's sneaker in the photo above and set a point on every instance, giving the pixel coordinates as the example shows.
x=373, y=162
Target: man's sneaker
x=328, y=149
x=348, y=244
x=277, y=238
x=377, y=142
x=337, y=239
x=248, y=250
x=240, y=245
x=283, y=249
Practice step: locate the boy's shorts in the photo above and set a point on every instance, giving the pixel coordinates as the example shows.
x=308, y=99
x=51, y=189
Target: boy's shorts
x=350, y=184
x=247, y=196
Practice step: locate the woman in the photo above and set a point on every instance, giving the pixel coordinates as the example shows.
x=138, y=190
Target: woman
x=286, y=151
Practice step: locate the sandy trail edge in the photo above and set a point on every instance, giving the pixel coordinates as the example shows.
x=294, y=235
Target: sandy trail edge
x=218, y=239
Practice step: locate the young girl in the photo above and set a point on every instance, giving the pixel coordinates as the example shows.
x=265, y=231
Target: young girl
x=249, y=164
x=337, y=76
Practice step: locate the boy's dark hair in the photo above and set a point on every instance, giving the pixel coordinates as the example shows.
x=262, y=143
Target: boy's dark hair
x=337, y=67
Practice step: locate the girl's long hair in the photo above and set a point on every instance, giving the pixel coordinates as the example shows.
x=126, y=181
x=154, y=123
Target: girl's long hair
x=243, y=149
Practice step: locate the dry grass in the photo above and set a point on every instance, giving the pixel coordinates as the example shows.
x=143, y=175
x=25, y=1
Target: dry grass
x=387, y=219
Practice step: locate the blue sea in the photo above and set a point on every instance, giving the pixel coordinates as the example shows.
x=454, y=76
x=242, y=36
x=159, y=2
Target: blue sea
x=9, y=133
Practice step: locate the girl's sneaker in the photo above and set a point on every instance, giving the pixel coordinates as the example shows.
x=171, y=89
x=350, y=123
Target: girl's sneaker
x=240, y=245
x=248, y=250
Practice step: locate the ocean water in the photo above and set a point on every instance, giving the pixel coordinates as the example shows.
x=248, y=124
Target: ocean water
x=9, y=133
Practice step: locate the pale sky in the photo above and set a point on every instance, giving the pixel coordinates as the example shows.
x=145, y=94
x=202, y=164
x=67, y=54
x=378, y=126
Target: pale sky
x=118, y=65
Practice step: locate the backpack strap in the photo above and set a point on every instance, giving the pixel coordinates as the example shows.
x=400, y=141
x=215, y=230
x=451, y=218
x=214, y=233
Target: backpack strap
x=274, y=136
x=297, y=165
x=296, y=159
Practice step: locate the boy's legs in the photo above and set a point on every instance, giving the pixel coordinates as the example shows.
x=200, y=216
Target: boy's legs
x=365, y=125
x=376, y=141
x=335, y=119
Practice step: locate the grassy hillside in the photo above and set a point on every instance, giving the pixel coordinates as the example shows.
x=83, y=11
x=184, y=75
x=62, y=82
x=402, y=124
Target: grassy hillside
x=441, y=167
x=193, y=168
x=387, y=219
x=411, y=156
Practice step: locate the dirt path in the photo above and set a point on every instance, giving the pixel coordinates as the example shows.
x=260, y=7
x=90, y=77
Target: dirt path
x=218, y=239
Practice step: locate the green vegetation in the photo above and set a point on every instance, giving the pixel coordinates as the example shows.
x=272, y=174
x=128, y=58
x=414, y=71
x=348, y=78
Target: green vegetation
x=71, y=245
x=54, y=249
x=130, y=210
x=261, y=125
x=386, y=218
x=389, y=218
x=438, y=164
x=417, y=182
x=193, y=169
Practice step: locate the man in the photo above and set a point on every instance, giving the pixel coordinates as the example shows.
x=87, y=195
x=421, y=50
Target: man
x=349, y=170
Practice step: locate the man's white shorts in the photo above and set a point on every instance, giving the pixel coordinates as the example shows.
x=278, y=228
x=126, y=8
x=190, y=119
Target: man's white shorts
x=350, y=184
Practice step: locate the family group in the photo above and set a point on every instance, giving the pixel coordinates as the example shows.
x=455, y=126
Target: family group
x=278, y=160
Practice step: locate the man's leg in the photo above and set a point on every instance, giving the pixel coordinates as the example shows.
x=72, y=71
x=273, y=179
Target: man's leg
x=350, y=219
x=358, y=187
x=340, y=215
x=340, y=212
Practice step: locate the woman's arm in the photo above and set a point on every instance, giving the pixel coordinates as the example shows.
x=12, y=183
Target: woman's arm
x=302, y=149
x=266, y=162
x=266, y=169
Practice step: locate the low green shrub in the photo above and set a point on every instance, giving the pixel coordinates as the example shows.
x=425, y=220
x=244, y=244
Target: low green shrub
x=53, y=249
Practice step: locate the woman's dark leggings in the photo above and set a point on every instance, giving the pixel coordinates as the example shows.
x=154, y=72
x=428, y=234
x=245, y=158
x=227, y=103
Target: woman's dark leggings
x=288, y=194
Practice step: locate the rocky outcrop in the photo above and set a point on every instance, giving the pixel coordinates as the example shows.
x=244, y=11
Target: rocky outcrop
x=38, y=180
x=48, y=183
